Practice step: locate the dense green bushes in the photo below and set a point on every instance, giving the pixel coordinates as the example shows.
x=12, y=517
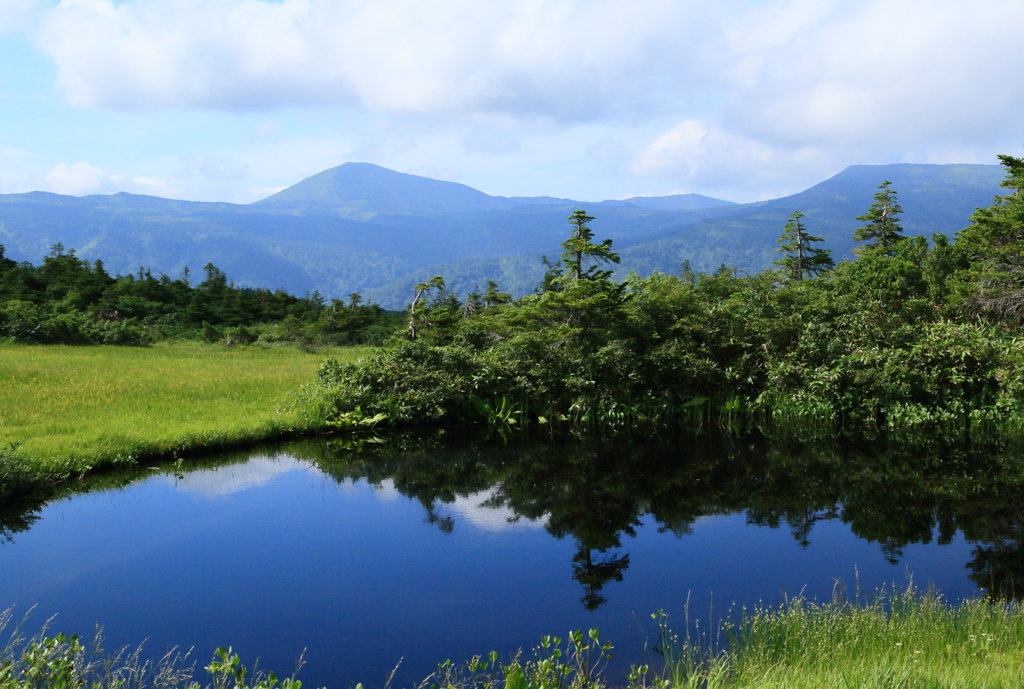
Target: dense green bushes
x=895, y=339
x=67, y=300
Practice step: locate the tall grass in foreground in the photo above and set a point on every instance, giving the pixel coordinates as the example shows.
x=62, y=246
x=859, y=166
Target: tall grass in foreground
x=65, y=662
x=896, y=639
x=65, y=410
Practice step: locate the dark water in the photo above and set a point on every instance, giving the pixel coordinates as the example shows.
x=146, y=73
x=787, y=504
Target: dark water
x=368, y=558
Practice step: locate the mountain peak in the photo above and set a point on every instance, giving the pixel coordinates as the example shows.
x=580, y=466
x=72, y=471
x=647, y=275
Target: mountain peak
x=363, y=190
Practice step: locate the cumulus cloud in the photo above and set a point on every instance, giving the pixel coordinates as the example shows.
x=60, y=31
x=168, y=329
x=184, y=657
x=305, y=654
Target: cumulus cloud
x=557, y=58
x=714, y=160
x=760, y=91
x=82, y=179
x=892, y=74
x=18, y=15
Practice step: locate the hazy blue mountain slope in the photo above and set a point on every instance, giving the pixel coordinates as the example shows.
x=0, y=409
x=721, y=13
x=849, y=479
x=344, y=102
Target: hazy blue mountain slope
x=935, y=198
x=534, y=228
x=294, y=252
x=517, y=274
x=363, y=190
x=418, y=227
x=675, y=202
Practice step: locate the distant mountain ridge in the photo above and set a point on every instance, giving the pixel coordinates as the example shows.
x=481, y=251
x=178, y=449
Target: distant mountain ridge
x=363, y=191
x=361, y=227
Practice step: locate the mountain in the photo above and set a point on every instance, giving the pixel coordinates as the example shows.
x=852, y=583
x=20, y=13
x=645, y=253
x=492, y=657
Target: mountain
x=361, y=227
x=676, y=202
x=363, y=191
x=935, y=198
x=352, y=228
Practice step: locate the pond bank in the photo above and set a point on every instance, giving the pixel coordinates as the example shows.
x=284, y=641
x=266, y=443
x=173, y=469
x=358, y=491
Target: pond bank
x=71, y=410
x=885, y=640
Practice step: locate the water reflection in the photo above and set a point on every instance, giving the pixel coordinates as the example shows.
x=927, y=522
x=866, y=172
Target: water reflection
x=599, y=493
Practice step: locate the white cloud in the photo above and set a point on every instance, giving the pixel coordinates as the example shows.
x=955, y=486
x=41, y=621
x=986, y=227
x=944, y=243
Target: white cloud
x=82, y=179
x=551, y=58
x=18, y=15
x=767, y=95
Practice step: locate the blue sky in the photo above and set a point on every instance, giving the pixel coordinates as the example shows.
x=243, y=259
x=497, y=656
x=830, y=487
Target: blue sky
x=232, y=99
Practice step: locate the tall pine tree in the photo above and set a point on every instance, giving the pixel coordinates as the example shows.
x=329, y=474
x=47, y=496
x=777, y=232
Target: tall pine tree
x=802, y=260
x=883, y=231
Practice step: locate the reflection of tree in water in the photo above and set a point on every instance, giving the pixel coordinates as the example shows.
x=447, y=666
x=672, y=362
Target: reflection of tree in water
x=594, y=574
x=598, y=493
x=17, y=516
x=997, y=561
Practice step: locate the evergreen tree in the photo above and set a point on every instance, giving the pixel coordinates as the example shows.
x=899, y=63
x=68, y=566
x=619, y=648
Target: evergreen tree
x=996, y=233
x=883, y=229
x=994, y=243
x=580, y=247
x=552, y=280
x=801, y=259
x=492, y=297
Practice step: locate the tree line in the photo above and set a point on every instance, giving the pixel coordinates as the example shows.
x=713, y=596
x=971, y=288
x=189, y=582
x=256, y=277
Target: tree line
x=914, y=333
x=68, y=300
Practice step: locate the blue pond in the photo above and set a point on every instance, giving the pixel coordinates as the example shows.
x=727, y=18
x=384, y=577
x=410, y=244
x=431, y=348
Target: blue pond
x=368, y=561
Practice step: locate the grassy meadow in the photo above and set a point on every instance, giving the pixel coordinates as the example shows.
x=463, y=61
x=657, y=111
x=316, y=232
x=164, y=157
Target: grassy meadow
x=69, y=409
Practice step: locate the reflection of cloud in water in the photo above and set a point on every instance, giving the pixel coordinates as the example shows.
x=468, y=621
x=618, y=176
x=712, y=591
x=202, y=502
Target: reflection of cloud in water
x=386, y=491
x=474, y=509
x=234, y=478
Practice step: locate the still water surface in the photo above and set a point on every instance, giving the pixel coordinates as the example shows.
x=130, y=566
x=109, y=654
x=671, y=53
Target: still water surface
x=365, y=561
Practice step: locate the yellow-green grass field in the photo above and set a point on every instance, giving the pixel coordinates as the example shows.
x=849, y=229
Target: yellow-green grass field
x=76, y=408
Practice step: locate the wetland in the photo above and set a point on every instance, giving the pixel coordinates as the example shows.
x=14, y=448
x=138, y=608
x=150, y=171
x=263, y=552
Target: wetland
x=367, y=556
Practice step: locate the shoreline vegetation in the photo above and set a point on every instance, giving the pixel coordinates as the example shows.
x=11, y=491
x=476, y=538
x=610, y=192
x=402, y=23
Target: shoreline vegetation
x=915, y=336
x=886, y=640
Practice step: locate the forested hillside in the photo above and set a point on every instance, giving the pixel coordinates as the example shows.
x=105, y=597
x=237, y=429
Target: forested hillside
x=68, y=300
x=362, y=228
x=915, y=334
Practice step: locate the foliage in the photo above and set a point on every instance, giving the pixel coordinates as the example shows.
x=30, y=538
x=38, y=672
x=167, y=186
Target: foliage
x=575, y=664
x=67, y=300
x=579, y=248
x=994, y=241
x=885, y=639
x=802, y=260
x=883, y=230
x=879, y=343
x=65, y=662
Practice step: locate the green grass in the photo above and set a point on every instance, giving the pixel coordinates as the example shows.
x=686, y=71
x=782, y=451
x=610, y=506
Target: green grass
x=71, y=409
x=898, y=640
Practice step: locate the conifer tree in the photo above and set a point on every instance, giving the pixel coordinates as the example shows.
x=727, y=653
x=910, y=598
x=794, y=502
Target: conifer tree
x=883, y=229
x=492, y=297
x=580, y=246
x=994, y=243
x=802, y=259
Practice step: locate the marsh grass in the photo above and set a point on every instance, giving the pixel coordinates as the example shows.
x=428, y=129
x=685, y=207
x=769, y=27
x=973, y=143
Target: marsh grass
x=69, y=662
x=893, y=639
x=67, y=410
